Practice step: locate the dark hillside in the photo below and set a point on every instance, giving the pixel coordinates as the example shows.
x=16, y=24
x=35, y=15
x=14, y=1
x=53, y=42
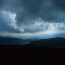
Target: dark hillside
x=53, y=43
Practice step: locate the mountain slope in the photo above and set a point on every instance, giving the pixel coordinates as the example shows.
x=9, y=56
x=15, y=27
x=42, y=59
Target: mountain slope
x=46, y=43
x=53, y=43
x=10, y=40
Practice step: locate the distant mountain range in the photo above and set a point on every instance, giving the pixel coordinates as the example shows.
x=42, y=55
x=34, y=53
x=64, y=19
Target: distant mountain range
x=46, y=43
x=11, y=40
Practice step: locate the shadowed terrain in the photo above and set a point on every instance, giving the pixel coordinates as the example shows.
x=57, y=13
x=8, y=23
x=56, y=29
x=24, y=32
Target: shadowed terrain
x=45, y=43
x=50, y=43
x=15, y=46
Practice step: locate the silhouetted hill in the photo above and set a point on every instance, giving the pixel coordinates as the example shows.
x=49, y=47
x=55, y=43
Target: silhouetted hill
x=45, y=43
x=49, y=43
x=10, y=40
x=46, y=48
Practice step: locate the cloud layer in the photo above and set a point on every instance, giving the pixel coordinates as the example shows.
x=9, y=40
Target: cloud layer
x=31, y=15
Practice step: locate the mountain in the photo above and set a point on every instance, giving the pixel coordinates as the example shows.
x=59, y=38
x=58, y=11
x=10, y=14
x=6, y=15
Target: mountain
x=11, y=40
x=45, y=43
x=49, y=43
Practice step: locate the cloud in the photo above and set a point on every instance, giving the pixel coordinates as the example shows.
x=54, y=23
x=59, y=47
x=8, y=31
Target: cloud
x=27, y=10
x=60, y=4
x=7, y=22
x=21, y=35
x=31, y=15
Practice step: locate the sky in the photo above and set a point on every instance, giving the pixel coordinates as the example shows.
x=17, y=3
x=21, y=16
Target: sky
x=32, y=17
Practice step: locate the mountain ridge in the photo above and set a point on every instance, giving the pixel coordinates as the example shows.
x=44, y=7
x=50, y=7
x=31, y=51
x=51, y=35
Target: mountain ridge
x=57, y=42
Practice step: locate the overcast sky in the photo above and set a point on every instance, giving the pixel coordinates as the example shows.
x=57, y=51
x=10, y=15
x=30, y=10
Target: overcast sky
x=31, y=16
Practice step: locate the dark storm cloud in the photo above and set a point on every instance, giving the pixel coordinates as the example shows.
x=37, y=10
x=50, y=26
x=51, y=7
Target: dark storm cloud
x=60, y=4
x=6, y=28
x=30, y=9
x=45, y=9
x=1, y=2
x=27, y=11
